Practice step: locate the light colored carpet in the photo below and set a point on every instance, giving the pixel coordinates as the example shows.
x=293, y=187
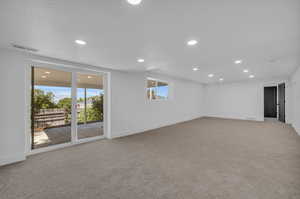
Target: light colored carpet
x=204, y=158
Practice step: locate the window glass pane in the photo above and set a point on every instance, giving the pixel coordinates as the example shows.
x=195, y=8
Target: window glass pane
x=90, y=98
x=151, y=83
x=162, y=90
x=51, y=107
x=157, y=89
x=151, y=89
x=162, y=84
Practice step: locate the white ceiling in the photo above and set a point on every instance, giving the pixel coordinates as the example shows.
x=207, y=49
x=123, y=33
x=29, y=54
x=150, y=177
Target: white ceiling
x=265, y=34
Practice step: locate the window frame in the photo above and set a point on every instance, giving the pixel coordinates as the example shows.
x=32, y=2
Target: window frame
x=158, y=80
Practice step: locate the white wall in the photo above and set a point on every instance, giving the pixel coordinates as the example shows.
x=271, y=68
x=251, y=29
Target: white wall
x=234, y=100
x=12, y=108
x=244, y=100
x=295, y=84
x=130, y=110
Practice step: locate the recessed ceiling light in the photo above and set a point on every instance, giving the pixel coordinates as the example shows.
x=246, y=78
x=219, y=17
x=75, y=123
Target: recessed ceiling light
x=140, y=60
x=195, y=69
x=245, y=70
x=210, y=75
x=80, y=42
x=239, y=61
x=90, y=77
x=134, y=2
x=221, y=79
x=192, y=42
x=47, y=72
x=44, y=76
x=251, y=76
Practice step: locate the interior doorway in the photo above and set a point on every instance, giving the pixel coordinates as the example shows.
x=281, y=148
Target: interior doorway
x=274, y=103
x=270, y=102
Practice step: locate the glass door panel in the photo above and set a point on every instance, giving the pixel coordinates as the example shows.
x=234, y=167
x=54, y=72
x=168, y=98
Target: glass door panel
x=89, y=107
x=51, y=107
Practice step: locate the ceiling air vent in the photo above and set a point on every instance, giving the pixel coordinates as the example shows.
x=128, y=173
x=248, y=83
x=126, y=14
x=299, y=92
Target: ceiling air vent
x=25, y=48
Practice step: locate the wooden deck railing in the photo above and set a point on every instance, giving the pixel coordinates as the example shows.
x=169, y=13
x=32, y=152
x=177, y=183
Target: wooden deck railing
x=50, y=117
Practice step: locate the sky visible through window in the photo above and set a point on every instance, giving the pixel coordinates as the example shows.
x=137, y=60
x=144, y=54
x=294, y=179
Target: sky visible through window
x=163, y=91
x=65, y=92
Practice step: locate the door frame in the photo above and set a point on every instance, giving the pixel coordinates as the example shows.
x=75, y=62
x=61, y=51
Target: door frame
x=284, y=101
x=270, y=83
x=73, y=70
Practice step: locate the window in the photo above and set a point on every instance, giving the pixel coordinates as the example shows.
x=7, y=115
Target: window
x=157, y=89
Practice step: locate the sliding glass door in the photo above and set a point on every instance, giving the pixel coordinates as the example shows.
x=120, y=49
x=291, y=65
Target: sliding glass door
x=90, y=99
x=66, y=107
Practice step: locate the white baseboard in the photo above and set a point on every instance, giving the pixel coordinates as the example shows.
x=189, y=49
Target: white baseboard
x=296, y=129
x=237, y=118
x=128, y=133
x=12, y=159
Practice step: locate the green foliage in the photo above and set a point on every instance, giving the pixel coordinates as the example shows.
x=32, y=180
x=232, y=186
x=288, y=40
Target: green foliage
x=66, y=103
x=97, y=108
x=80, y=116
x=43, y=100
x=94, y=111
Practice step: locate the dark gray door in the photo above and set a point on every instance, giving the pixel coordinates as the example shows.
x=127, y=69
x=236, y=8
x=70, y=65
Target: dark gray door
x=281, y=102
x=270, y=101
